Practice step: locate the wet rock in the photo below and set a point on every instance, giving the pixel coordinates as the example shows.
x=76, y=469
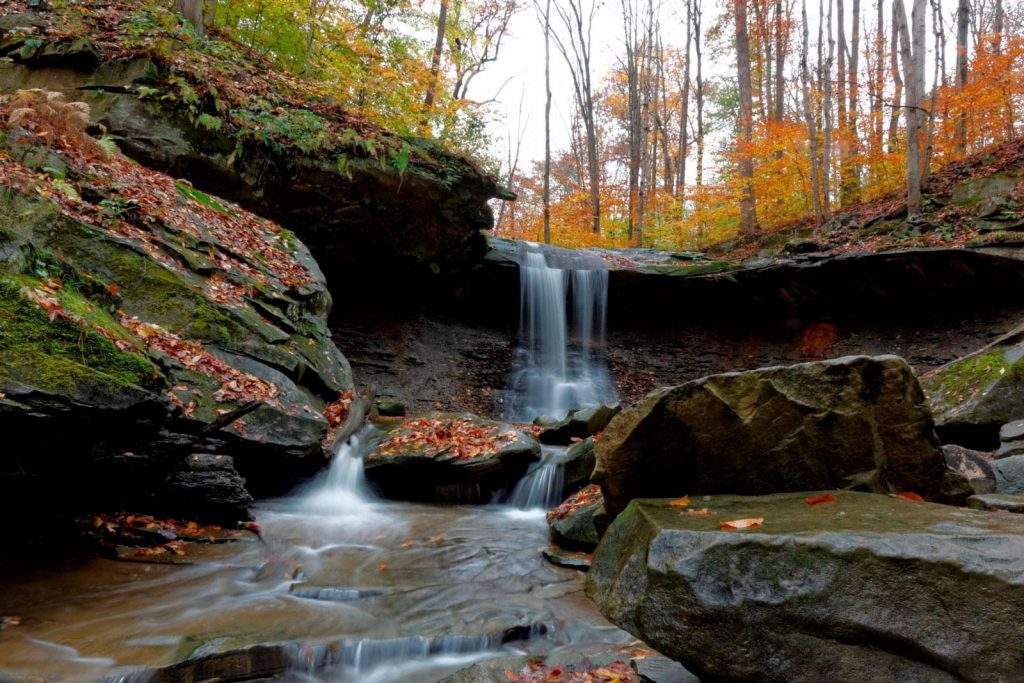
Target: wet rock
x=578, y=522
x=1011, y=439
x=974, y=396
x=570, y=559
x=390, y=407
x=578, y=424
x=997, y=501
x=876, y=587
x=435, y=470
x=820, y=425
x=333, y=593
x=974, y=466
x=802, y=245
x=208, y=488
x=1009, y=474
x=580, y=461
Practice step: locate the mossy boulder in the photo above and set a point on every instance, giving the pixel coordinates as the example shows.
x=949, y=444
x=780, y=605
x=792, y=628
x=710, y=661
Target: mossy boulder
x=854, y=421
x=141, y=321
x=450, y=458
x=972, y=397
x=868, y=587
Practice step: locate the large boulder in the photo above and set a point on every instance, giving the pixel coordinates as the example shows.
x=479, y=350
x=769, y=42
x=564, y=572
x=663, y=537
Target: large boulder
x=579, y=521
x=829, y=424
x=972, y=397
x=142, y=321
x=974, y=466
x=867, y=587
x=450, y=458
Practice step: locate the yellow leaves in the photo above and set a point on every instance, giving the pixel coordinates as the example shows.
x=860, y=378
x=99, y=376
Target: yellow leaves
x=682, y=502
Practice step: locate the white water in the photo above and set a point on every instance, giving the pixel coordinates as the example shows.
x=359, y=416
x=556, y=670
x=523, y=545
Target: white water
x=560, y=363
x=341, y=491
x=542, y=486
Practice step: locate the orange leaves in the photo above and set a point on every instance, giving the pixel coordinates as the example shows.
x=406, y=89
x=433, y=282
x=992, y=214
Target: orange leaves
x=682, y=502
x=460, y=438
x=738, y=524
x=337, y=412
x=236, y=386
x=820, y=499
x=911, y=496
x=582, y=498
x=584, y=672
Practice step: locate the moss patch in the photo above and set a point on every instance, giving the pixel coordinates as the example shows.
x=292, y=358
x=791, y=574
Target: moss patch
x=60, y=356
x=966, y=379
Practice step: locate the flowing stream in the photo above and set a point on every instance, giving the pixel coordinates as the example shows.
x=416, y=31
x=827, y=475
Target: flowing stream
x=361, y=589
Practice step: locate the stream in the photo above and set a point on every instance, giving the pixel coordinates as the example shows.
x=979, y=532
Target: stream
x=402, y=591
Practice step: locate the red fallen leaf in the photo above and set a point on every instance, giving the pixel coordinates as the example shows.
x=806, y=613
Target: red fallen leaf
x=253, y=527
x=818, y=500
x=382, y=566
x=910, y=495
x=681, y=502
x=737, y=524
x=113, y=289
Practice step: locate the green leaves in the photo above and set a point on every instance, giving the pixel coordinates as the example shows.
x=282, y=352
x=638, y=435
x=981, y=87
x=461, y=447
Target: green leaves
x=400, y=158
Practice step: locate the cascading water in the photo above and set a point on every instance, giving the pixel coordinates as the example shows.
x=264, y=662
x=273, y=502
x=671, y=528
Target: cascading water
x=560, y=363
x=342, y=491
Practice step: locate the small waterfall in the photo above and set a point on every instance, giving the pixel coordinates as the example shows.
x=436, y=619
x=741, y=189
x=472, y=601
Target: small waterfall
x=560, y=363
x=543, y=484
x=343, y=490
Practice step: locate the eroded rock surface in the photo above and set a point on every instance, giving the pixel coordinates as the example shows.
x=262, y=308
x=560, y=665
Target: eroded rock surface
x=876, y=587
x=831, y=424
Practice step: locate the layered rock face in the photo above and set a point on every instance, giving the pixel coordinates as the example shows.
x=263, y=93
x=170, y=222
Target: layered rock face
x=867, y=587
x=832, y=424
x=361, y=198
x=143, y=321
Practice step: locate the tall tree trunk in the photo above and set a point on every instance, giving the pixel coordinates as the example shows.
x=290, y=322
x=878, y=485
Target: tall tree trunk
x=812, y=132
x=699, y=166
x=780, y=61
x=897, y=78
x=435, y=59
x=547, y=122
x=912, y=57
x=748, y=210
x=827, y=110
x=878, y=83
x=997, y=26
x=683, y=147
x=851, y=182
x=963, y=20
x=842, y=125
x=193, y=11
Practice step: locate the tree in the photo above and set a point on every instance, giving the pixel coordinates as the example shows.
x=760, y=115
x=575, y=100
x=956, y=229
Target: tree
x=193, y=11
x=547, y=122
x=812, y=130
x=435, y=59
x=575, y=47
x=748, y=212
x=912, y=56
x=963, y=18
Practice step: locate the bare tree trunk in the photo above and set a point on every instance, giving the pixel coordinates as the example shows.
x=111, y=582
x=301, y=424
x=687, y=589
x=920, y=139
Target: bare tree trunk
x=683, y=147
x=938, y=78
x=852, y=180
x=878, y=82
x=547, y=122
x=193, y=11
x=912, y=55
x=963, y=14
x=897, y=97
x=435, y=59
x=842, y=123
x=997, y=26
x=748, y=209
x=812, y=132
x=697, y=16
x=826, y=78
x=780, y=61
x=633, y=115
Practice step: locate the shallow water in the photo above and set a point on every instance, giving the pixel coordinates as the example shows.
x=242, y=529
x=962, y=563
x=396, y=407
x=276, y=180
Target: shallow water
x=398, y=580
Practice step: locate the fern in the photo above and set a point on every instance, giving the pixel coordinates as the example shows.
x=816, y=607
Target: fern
x=108, y=146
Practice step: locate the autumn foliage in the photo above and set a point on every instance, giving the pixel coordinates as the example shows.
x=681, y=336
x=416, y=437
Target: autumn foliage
x=455, y=437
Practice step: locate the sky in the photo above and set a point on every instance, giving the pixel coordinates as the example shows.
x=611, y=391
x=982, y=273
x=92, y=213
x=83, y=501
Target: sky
x=518, y=75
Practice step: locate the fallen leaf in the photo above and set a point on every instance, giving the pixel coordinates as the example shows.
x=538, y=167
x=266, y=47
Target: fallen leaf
x=737, y=524
x=9, y=622
x=818, y=500
x=910, y=495
x=681, y=502
x=698, y=512
x=382, y=566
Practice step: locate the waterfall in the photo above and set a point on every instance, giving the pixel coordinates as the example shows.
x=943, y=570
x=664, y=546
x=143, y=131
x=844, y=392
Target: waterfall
x=342, y=491
x=543, y=484
x=559, y=363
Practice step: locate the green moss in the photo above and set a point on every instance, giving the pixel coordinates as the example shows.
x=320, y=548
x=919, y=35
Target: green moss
x=963, y=380
x=700, y=268
x=59, y=355
x=200, y=197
